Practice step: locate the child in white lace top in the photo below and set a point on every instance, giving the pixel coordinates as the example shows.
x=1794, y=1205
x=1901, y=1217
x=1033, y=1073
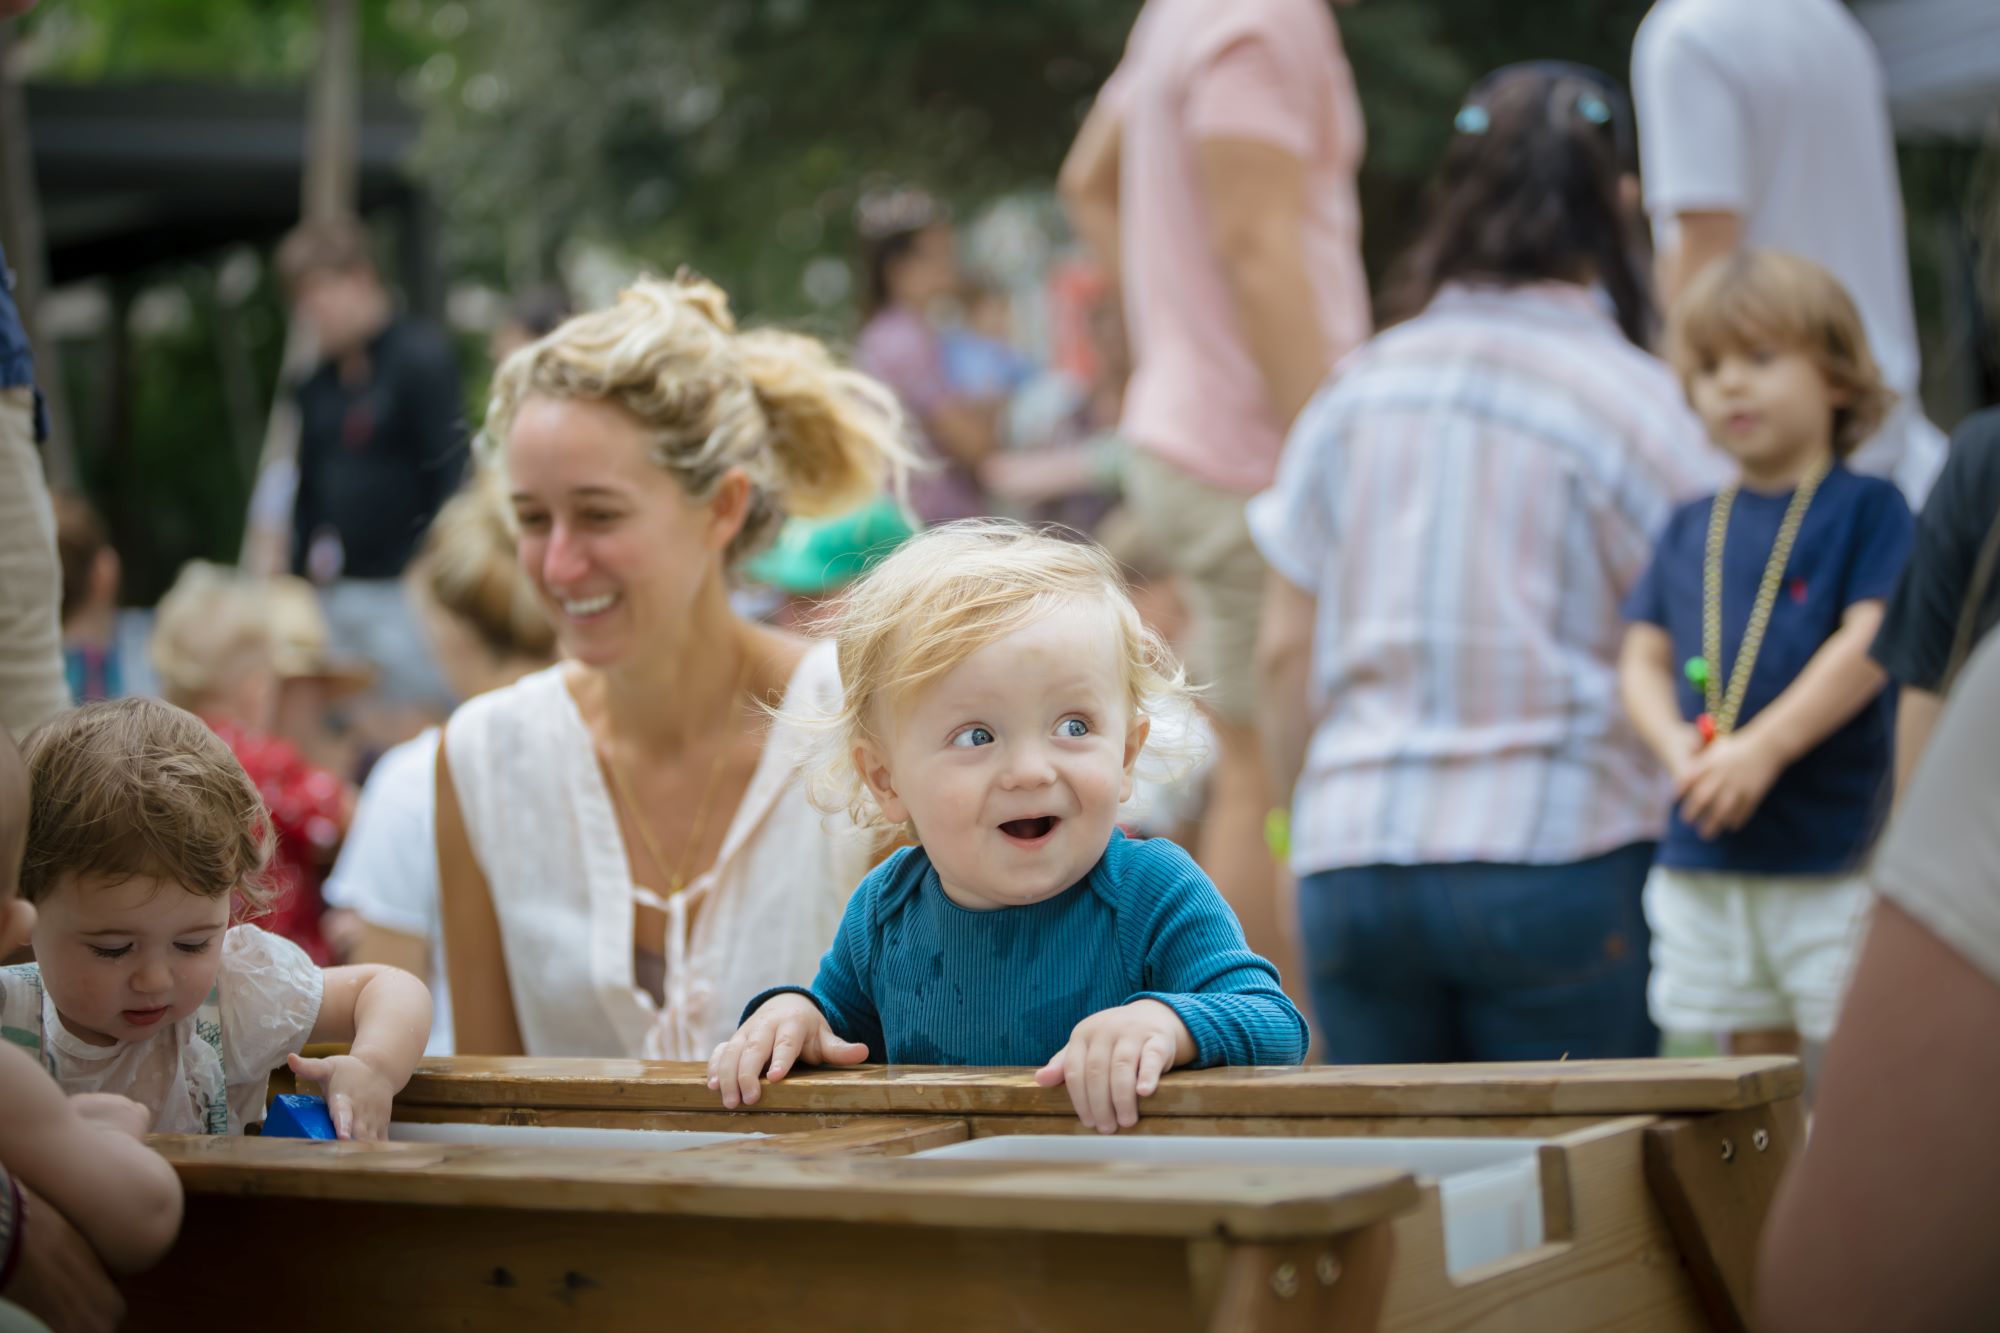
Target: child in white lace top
x=142, y=829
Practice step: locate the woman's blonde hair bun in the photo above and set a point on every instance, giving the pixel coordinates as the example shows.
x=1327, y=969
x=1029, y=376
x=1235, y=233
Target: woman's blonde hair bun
x=813, y=436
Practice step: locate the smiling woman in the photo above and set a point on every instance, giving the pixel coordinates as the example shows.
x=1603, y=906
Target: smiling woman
x=625, y=851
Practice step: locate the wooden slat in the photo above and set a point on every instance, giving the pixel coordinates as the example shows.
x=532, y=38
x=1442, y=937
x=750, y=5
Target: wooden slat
x=879, y=1137
x=797, y=1122
x=1610, y=1263
x=1715, y=1179
x=1575, y=1087
x=1304, y=1287
x=331, y=1267
x=1143, y=1199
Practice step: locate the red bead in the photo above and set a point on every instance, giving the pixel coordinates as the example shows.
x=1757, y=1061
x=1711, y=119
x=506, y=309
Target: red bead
x=1706, y=726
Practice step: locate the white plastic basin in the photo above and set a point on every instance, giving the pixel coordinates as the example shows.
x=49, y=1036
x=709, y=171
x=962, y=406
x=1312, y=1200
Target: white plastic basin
x=551, y=1136
x=1489, y=1190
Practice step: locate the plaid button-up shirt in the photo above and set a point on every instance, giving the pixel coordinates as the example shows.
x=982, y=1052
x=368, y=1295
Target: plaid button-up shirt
x=1468, y=501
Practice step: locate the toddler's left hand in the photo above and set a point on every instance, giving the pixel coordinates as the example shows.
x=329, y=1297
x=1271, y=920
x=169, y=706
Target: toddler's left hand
x=358, y=1097
x=1115, y=1057
x=1724, y=784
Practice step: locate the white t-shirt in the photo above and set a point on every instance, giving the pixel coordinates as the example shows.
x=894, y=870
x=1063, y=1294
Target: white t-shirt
x=387, y=872
x=1940, y=860
x=269, y=993
x=1775, y=110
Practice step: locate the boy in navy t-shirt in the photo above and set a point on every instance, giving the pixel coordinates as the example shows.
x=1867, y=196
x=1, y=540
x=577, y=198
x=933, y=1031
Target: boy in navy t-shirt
x=1746, y=665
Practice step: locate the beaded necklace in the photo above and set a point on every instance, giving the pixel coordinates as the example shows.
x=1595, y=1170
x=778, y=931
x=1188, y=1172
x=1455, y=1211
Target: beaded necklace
x=1704, y=672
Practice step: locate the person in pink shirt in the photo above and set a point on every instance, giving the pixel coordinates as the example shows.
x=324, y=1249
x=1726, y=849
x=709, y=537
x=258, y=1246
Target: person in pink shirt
x=911, y=264
x=1215, y=178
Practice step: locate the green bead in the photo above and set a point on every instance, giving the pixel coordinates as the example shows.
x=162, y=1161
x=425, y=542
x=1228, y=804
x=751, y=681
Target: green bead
x=1696, y=672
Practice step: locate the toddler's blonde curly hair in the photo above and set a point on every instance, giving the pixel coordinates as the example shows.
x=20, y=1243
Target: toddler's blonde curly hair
x=948, y=592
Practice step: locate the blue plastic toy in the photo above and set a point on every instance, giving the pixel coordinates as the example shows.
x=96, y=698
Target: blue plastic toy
x=291, y=1116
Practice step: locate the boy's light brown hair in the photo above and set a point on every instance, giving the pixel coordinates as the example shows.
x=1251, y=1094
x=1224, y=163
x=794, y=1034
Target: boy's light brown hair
x=138, y=787
x=1769, y=298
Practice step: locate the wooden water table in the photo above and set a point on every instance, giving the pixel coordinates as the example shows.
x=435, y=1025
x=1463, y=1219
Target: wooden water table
x=606, y=1195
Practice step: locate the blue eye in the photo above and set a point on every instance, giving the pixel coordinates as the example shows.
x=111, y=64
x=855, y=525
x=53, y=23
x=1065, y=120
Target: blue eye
x=972, y=736
x=118, y=952
x=1075, y=728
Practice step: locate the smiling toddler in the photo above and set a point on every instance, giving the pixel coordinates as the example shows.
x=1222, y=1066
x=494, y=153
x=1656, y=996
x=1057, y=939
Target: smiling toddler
x=998, y=689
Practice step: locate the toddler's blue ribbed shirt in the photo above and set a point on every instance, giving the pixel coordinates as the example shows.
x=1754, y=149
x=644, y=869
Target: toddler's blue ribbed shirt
x=922, y=980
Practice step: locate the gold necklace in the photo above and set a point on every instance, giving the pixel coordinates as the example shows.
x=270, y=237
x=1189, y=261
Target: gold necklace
x=677, y=876
x=1724, y=705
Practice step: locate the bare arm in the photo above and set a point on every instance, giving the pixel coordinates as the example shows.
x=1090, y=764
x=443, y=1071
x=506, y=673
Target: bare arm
x=119, y=1193
x=1646, y=684
x=1284, y=664
x=1255, y=195
x=1088, y=184
x=1864, y=1239
x=1836, y=684
x=393, y=948
x=1916, y=717
x=483, y=1020
x=1704, y=238
x=383, y=1012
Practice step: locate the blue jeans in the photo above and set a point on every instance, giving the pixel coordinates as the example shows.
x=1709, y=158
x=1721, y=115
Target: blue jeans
x=1434, y=963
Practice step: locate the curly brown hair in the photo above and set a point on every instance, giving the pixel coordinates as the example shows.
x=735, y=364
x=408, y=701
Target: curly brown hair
x=138, y=787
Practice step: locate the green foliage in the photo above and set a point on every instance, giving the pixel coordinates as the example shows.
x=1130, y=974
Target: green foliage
x=736, y=135
x=245, y=41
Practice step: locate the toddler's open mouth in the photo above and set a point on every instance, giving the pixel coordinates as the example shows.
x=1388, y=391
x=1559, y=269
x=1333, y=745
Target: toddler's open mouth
x=1030, y=830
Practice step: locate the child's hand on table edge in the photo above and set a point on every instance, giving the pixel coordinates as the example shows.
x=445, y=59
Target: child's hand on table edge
x=1115, y=1057
x=785, y=1030
x=358, y=1095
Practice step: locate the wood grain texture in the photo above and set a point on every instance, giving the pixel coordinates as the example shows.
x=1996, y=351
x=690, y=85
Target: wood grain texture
x=1556, y=1088
x=1139, y=1199
x=1616, y=1269
x=1302, y=1288
x=1715, y=1178
x=795, y=1122
x=338, y=1267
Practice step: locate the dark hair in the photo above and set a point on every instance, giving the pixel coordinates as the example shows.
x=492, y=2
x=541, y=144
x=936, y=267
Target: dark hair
x=329, y=245
x=80, y=539
x=890, y=225
x=1529, y=192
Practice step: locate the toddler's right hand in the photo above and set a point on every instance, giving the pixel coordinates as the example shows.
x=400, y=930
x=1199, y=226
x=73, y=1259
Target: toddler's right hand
x=785, y=1030
x=108, y=1110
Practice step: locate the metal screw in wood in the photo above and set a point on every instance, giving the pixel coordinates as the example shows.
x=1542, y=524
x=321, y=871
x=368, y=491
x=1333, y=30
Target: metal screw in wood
x=1761, y=1140
x=1285, y=1281
x=1728, y=1150
x=1328, y=1270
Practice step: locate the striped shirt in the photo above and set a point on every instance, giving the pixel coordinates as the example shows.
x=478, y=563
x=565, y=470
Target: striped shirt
x=1468, y=501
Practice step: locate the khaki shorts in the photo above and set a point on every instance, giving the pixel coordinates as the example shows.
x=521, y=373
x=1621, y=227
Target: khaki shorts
x=1205, y=539
x=32, y=686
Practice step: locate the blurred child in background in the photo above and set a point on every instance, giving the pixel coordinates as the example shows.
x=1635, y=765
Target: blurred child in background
x=214, y=650
x=104, y=650
x=1746, y=665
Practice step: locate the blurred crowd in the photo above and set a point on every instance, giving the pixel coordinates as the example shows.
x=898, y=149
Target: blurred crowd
x=1566, y=620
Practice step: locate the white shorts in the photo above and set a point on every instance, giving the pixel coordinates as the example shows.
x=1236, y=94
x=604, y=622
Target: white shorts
x=1752, y=953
